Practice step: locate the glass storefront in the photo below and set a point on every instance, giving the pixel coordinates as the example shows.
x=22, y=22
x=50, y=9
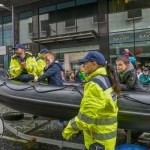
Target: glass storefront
x=68, y=17
x=128, y=21
x=71, y=17
x=5, y=31
x=129, y=27
x=25, y=27
x=1, y=38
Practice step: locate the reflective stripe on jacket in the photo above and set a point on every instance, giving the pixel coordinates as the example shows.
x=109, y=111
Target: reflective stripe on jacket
x=41, y=63
x=97, y=116
x=15, y=67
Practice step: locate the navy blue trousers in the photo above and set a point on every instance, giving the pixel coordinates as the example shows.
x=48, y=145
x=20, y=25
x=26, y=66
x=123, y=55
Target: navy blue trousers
x=25, y=77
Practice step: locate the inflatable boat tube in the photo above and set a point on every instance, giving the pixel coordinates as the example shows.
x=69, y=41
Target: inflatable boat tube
x=64, y=102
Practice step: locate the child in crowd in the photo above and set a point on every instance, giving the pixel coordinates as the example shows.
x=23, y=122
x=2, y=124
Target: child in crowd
x=139, y=72
x=67, y=75
x=144, y=78
x=52, y=71
x=127, y=74
x=82, y=73
x=131, y=57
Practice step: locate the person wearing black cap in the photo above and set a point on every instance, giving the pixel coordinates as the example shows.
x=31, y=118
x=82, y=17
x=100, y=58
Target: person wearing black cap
x=144, y=78
x=97, y=116
x=23, y=66
x=41, y=62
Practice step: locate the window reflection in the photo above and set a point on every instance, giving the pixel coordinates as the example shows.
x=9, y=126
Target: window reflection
x=7, y=33
x=1, y=36
x=129, y=27
x=25, y=30
x=68, y=18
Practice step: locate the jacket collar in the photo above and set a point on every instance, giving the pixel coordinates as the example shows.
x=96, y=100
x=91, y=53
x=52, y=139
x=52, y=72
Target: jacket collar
x=39, y=54
x=101, y=71
x=129, y=68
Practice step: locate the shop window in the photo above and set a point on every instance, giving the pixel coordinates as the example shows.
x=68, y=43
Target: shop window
x=47, y=9
x=30, y=29
x=44, y=25
x=26, y=14
x=83, y=2
x=7, y=19
x=25, y=30
x=66, y=5
x=0, y=20
x=134, y=14
x=95, y=19
x=70, y=23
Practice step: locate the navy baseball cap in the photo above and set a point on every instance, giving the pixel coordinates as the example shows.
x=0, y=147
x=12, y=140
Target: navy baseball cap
x=94, y=56
x=44, y=50
x=19, y=46
x=145, y=69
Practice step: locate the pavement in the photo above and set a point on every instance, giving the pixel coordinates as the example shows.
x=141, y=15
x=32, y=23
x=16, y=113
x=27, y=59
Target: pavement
x=49, y=130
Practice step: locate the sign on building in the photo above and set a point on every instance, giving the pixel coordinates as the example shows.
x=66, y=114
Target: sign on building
x=2, y=50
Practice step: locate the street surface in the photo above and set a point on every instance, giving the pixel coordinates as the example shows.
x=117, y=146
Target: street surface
x=49, y=130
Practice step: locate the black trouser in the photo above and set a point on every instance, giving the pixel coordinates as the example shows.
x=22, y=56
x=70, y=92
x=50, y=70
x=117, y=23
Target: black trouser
x=25, y=77
x=96, y=146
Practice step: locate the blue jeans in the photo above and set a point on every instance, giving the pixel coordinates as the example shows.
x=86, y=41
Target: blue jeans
x=25, y=77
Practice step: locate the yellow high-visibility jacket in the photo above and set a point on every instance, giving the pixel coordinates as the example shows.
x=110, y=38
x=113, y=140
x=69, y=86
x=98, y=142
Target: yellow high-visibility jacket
x=15, y=67
x=97, y=117
x=41, y=63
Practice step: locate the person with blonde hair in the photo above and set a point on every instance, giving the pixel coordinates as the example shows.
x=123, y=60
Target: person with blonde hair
x=52, y=71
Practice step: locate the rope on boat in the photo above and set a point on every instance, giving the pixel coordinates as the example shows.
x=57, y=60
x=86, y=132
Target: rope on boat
x=132, y=99
x=74, y=87
x=4, y=83
x=34, y=87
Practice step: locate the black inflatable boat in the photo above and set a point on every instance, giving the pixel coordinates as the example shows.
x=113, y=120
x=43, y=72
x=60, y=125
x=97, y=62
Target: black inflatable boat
x=63, y=102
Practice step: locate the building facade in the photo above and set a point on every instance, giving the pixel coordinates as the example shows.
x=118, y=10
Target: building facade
x=71, y=28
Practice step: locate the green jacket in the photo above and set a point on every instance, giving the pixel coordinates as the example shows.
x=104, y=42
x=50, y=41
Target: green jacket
x=82, y=75
x=41, y=63
x=15, y=67
x=97, y=117
x=144, y=79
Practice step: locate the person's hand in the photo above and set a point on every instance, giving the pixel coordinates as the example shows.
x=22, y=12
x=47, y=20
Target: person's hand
x=47, y=65
x=66, y=135
x=23, y=64
x=35, y=80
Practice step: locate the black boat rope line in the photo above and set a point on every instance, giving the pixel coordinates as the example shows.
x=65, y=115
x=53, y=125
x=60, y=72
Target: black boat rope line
x=4, y=83
x=132, y=99
x=34, y=87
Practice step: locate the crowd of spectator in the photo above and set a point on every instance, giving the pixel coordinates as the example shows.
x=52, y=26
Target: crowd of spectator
x=144, y=76
x=76, y=75
x=25, y=67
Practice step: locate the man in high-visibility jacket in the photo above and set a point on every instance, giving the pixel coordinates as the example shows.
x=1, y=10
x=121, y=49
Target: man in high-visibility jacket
x=41, y=62
x=97, y=117
x=23, y=66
